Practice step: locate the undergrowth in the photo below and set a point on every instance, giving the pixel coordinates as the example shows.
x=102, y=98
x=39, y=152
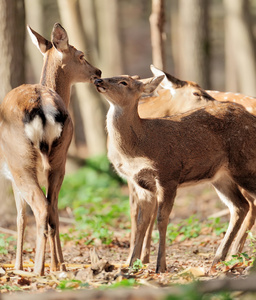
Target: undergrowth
x=94, y=194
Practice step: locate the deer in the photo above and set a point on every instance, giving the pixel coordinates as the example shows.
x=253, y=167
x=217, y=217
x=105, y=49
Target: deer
x=178, y=96
x=214, y=143
x=35, y=134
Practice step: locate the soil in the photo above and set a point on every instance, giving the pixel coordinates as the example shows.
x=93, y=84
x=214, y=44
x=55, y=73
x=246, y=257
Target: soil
x=187, y=260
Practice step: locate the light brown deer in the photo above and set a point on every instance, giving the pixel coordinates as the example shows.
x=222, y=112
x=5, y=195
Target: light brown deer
x=35, y=133
x=214, y=143
x=178, y=96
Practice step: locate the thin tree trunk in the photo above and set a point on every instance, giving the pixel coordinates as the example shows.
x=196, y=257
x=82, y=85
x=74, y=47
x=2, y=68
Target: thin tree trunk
x=157, y=21
x=110, y=49
x=194, y=62
x=240, y=45
x=91, y=107
x=34, y=18
x=12, y=36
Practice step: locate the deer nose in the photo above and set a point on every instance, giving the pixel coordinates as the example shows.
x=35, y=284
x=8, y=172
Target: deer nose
x=98, y=81
x=98, y=72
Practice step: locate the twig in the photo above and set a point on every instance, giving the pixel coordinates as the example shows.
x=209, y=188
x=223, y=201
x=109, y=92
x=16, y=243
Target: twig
x=66, y=220
x=8, y=231
x=221, y=213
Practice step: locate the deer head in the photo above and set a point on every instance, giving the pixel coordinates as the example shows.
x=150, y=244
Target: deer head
x=125, y=90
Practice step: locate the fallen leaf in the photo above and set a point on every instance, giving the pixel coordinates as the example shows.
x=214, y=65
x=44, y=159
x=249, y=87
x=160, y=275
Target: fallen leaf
x=24, y=273
x=23, y=281
x=195, y=271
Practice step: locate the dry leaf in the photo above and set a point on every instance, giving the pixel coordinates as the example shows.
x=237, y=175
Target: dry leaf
x=195, y=271
x=24, y=273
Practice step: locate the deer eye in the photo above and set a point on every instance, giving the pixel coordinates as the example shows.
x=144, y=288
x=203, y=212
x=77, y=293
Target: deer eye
x=196, y=94
x=123, y=83
x=81, y=57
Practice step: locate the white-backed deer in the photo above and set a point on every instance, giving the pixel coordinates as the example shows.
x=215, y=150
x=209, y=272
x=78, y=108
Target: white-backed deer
x=215, y=143
x=179, y=96
x=35, y=133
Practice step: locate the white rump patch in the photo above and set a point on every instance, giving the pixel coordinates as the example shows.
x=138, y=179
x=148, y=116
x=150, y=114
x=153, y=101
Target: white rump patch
x=52, y=129
x=34, y=130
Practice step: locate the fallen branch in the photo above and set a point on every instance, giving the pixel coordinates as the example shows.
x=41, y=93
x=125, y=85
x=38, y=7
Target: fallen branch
x=47, y=265
x=66, y=220
x=229, y=284
x=8, y=231
x=219, y=214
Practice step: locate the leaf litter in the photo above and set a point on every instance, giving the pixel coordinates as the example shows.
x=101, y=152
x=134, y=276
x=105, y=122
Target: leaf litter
x=104, y=266
x=189, y=255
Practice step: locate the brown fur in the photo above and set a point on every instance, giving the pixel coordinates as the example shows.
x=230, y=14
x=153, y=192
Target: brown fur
x=35, y=133
x=185, y=98
x=215, y=143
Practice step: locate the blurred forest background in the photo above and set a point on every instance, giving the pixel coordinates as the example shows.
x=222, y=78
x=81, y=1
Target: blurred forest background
x=211, y=42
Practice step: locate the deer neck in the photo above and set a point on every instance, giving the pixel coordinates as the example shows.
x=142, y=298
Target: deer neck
x=124, y=125
x=54, y=77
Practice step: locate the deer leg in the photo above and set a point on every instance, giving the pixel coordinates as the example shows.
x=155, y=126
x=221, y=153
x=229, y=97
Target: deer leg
x=133, y=199
x=55, y=180
x=249, y=221
x=231, y=195
x=145, y=210
x=38, y=203
x=165, y=203
x=145, y=255
x=21, y=224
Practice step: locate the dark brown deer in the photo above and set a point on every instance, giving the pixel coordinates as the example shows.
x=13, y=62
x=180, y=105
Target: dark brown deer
x=215, y=143
x=178, y=96
x=35, y=133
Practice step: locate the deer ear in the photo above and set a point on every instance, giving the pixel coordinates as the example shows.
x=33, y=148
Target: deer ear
x=136, y=77
x=59, y=37
x=42, y=44
x=152, y=84
x=158, y=72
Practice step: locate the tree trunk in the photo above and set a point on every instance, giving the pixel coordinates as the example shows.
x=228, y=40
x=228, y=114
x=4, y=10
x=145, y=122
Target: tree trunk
x=110, y=50
x=157, y=21
x=240, y=46
x=91, y=107
x=34, y=18
x=194, y=62
x=12, y=36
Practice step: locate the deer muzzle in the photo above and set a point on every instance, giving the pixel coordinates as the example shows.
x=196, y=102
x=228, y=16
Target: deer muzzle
x=99, y=85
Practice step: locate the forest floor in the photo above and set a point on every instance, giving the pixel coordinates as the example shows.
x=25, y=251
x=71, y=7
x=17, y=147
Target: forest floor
x=98, y=266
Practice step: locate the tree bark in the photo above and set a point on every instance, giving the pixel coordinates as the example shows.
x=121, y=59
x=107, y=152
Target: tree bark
x=34, y=18
x=110, y=49
x=91, y=107
x=240, y=46
x=194, y=58
x=157, y=21
x=12, y=36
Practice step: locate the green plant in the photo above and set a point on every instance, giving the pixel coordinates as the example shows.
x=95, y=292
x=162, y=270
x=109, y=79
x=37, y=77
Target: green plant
x=187, y=229
x=217, y=227
x=95, y=195
x=238, y=258
x=137, y=265
x=4, y=243
x=71, y=284
x=9, y=287
x=131, y=282
x=252, y=240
